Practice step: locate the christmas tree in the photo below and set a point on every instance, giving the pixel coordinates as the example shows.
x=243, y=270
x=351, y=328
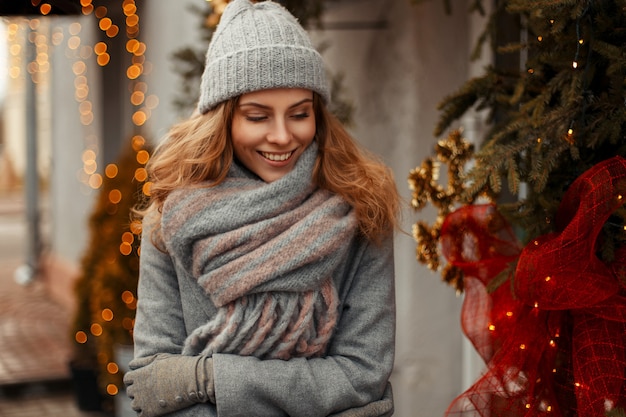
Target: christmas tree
x=106, y=289
x=535, y=232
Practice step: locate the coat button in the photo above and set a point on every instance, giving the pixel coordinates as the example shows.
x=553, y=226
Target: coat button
x=162, y=403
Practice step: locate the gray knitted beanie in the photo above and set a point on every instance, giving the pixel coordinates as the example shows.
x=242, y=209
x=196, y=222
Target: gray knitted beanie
x=257, y=47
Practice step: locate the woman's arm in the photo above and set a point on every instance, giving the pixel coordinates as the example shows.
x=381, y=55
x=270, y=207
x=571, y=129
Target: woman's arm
x=353, y=374
x=160, y=330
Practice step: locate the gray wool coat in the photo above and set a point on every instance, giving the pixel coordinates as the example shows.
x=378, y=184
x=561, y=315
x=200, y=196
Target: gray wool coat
x=351, y=380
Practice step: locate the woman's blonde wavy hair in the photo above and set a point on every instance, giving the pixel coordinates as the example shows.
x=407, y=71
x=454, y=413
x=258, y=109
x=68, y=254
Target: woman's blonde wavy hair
x=199, y=150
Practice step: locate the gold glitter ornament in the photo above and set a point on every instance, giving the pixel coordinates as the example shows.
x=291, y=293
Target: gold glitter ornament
x=454, y=151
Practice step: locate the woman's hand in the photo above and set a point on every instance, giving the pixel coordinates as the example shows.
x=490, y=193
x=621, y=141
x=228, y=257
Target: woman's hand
x=163, y=383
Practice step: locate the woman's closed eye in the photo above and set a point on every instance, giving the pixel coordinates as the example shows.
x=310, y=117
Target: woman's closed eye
x=261, y=118
x=299, y=116
x=256, y=118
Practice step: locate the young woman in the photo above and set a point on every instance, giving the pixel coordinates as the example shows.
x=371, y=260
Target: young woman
x=266, y=285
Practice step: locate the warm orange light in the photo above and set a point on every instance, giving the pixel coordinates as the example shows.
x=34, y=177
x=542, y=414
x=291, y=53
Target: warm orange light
x=128, y=297
x=132, y=20
x=129, y=9
x=113, y=31
x=100, y=12
x=107, y=314
x=111, y=171
x=112, y=389
x=45, y=9
x=85, y=107
x=115, y=196
x=90, y=167
x=133, y=72
x=132, y=45
x=112, y=368
x=138, y=142
x=81, y=337
x=96, y=329
x=141, y=174
x=139, y=118
x=103, y=59
x=95, y=181
x=143, y=157
x=105, y=23
x=100, y=48
x=126, y=249
x=128, y=237
x=141, y=49
x=146, y=188
x=88, y=155
x=137, y=98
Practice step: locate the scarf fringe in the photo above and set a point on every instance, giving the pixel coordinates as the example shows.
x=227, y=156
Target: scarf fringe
x=270, y=325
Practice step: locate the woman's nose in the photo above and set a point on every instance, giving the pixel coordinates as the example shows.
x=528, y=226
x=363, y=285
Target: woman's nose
x=279, y=133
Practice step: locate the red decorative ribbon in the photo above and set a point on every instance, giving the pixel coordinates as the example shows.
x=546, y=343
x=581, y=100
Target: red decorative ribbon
x=555, y=342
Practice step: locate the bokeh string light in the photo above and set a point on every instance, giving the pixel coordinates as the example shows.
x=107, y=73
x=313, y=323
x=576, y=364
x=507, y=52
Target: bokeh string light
x=580, y=41
x=142, y=104
x=19, y=32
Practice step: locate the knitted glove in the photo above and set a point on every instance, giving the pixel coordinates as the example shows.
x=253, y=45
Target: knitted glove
x=163, y=383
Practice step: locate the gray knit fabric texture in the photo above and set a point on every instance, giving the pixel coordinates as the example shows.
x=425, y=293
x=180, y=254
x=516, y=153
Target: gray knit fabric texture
x=258, y=46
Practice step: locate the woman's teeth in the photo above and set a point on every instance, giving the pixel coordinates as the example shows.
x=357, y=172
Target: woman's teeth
x=276, y=157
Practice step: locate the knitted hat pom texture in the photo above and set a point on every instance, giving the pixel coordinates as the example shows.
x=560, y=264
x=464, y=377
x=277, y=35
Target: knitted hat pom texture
x=259, y=46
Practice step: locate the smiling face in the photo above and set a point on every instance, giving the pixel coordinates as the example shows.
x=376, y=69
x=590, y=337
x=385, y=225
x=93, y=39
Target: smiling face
x=271, y=129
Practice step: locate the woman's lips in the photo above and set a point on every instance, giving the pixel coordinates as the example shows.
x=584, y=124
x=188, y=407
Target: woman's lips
x=277, y=157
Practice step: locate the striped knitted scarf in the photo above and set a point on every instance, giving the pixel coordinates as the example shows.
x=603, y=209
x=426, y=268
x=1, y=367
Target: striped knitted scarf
x=265, y=254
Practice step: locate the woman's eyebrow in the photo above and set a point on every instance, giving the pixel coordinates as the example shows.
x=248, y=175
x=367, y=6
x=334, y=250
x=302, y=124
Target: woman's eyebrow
x=305, y=100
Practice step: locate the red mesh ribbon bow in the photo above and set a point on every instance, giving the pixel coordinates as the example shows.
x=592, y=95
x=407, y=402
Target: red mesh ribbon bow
x=555, y=343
